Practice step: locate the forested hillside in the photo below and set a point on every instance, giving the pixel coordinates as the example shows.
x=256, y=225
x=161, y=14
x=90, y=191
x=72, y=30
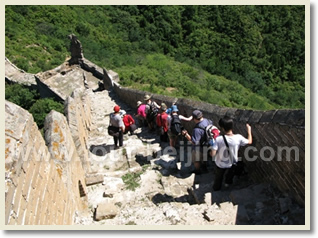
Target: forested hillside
x=236, y=56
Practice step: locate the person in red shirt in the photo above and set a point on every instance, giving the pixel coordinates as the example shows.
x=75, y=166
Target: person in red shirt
x=162, y=123
x=129, y=122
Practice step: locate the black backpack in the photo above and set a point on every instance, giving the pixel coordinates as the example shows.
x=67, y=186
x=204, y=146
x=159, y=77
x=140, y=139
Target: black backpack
x=175, y=126
x=152, y=112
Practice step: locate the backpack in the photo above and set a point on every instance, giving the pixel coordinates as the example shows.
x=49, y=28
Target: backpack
x=175, y=126
x=152, y=112
x=210, y=133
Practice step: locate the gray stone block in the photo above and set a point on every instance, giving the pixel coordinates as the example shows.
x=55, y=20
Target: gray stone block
x=281, y=116
x=91, y=179
x=296, y=118
x=244, y=115
x=105, y=211
x=255, y=117
x=267, y=116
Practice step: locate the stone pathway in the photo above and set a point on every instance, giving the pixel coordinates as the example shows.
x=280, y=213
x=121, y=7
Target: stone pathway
x=159, y=194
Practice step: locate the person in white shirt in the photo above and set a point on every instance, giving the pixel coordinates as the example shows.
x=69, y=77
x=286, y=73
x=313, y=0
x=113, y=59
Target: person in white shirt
x=225, y=150
x=116, y=127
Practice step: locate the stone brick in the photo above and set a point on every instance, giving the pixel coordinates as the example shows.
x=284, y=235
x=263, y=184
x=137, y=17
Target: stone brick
x=18, y=194
x=232, y=112
x=28, y=217
x=244, y=115
x=281, y=116
x=38, y=212
x=106, y=211
x=30, y=209
x=255, y=117
x=27, y=182
x=36, y=176
x=282, y=131
x=55, y=190
x=8, y=201
x=296, y=118
x=296, y=137
x=221, y=111
x=21, y=215
x=12, y=220
x=267, y=116
x=53, y=212
x=91, y=179
x=36, y=203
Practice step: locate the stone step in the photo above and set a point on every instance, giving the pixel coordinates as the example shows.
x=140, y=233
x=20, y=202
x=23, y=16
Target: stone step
x=166, y=194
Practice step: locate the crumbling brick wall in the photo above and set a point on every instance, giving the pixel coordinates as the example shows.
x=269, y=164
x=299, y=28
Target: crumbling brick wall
x=43, y=186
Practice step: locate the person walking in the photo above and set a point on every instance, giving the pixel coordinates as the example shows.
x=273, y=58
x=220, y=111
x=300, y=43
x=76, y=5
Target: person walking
x=141, y=114
x=162, y=123
x=129, y=122
x=151, y=112
x=225, y=150
x=197, y=138
x=175, y=126
x=116, y=127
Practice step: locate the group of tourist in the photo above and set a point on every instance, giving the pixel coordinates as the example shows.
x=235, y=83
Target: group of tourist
x=168, y=123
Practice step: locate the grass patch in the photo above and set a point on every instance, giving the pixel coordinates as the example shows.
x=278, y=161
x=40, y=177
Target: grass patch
x=131, y=223
x=131, y=180
x=145, y=167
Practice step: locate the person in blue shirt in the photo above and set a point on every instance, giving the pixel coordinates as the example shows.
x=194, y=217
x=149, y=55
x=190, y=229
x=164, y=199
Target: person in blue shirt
x=197, y=136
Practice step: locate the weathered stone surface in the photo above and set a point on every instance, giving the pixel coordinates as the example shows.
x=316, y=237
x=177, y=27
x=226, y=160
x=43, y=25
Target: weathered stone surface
x=296, y=118
x=91, y=179
x=76, y=50
x=106, y=211
x=37, y=178
x=267, y=116
x=113, y=186
x=15, y=75
x=64, y=79
x=255, y=117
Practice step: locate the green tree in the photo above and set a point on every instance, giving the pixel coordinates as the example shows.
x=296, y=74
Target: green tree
x=20, y=95
x=42, y=107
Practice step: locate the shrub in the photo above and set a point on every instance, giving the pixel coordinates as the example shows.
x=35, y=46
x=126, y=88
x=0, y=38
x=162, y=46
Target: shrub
x=20, y=95
x=42, y=107
x=131, y=180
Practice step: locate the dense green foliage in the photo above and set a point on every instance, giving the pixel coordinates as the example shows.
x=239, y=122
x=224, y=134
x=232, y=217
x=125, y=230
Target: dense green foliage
x=21, y=96
x=42, y=107
x=30, y=100
x=220, y=54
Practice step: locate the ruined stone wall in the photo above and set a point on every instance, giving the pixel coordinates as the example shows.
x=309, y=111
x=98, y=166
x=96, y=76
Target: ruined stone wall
x=78, y=114
x=43, y=185
x=277, y=154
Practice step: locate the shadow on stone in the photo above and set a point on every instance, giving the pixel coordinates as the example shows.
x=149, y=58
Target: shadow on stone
x=101, y=150
x=100, y=87
x=160, y=198
x=142, y=160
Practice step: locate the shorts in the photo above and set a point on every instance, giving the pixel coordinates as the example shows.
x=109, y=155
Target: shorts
x=172, y=136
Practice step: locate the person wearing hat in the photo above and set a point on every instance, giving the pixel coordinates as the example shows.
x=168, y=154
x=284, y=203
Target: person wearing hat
x=162, y=123
x=141, y=114
x=129, y=122
x=116, y=127
x=198, y=157
x=175, y=126
x=174, y=103
x=151, y=112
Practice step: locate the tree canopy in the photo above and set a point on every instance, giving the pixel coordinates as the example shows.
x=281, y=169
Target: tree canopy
x=239, y=56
